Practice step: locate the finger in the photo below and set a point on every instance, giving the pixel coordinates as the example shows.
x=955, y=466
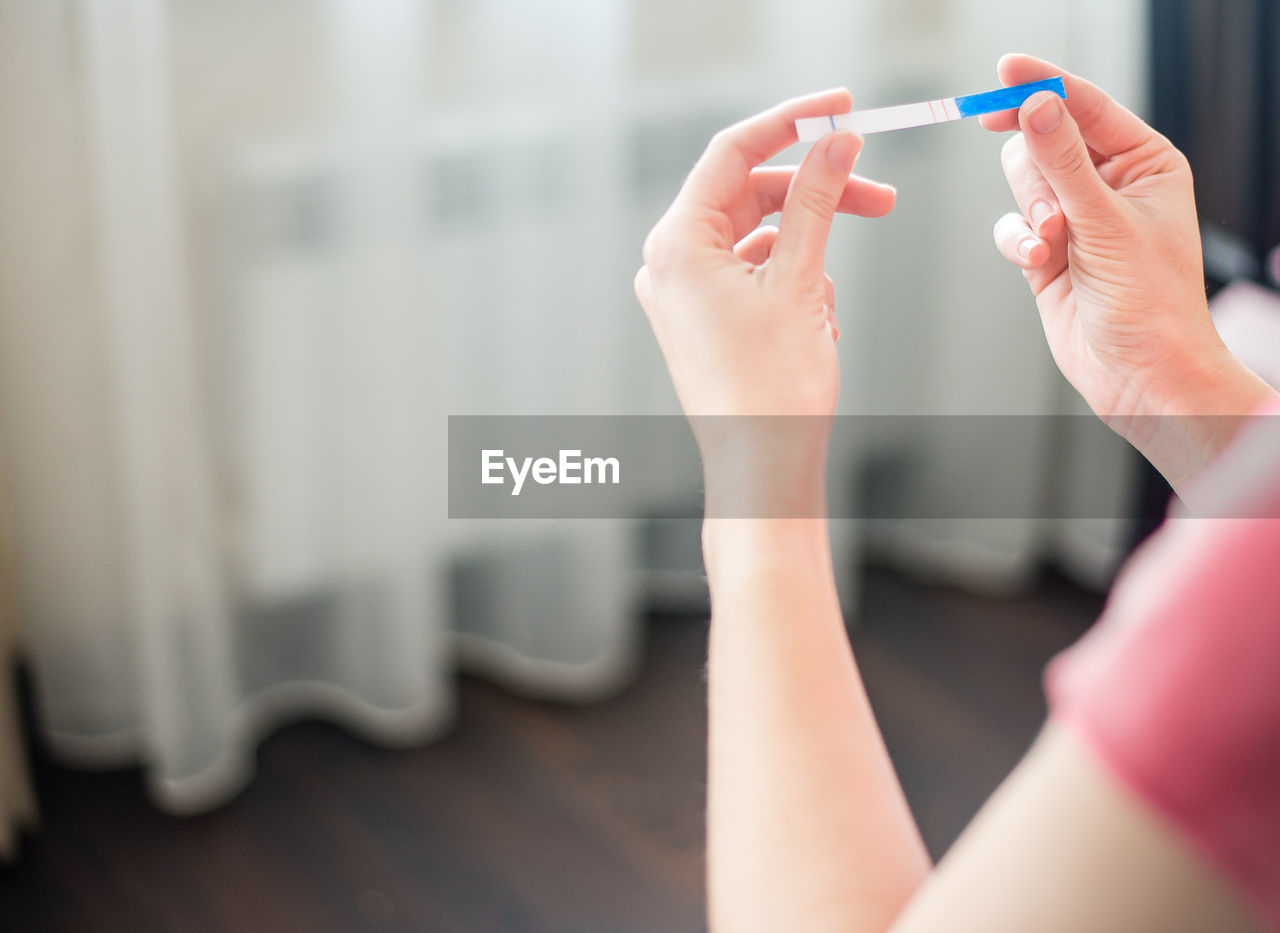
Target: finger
x=768, y=188
x=1036, y=198
x=720, y=176
x=1018, y=243
x=756, y=245
x=811, y=203
x=1056, y=147
x=1107, y=127
x=1041, y=260
x=1008, y=120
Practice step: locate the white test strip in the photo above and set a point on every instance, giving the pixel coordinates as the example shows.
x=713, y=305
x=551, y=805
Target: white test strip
x=902, y=117
x=881, y=120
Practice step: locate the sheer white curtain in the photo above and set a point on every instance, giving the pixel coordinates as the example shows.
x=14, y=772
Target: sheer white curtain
x=229, y=345
x=254, y=254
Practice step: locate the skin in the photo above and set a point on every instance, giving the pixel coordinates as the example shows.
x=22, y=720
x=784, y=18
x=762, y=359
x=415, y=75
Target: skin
x=807, y=824
x=1106, y=220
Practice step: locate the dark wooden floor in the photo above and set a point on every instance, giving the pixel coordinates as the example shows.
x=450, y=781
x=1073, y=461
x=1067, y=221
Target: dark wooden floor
x=529, y=816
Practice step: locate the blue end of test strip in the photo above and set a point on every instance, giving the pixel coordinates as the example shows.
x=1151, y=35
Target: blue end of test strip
x=1007, y=98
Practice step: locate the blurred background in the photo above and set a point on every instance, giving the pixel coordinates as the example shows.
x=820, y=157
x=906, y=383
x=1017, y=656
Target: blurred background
x=253, y=255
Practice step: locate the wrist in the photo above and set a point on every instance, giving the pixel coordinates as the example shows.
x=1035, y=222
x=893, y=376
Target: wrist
x=758, y=549
x=1191, y=409
x=764, y=467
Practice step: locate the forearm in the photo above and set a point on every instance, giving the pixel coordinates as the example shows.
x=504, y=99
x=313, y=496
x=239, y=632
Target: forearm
x=807, y=824
x=1191, y=410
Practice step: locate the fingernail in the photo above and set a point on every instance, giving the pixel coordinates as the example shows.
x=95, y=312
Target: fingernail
x=1041, y=211
x=841, y=149
x=1045, y=116
x=1026, y=246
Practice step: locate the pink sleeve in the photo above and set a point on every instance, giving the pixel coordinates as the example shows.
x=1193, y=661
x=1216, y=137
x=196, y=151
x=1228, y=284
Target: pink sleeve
x=1177, y=688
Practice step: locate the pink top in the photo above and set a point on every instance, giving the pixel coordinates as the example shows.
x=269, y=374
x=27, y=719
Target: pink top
x=1177, y=687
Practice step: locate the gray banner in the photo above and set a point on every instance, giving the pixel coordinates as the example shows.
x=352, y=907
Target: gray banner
x=916, y=466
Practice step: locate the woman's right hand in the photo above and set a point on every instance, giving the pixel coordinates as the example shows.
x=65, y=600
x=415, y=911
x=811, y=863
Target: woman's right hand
x=1108, y=240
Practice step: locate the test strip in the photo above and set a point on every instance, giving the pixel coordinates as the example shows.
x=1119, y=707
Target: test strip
x=884, y=119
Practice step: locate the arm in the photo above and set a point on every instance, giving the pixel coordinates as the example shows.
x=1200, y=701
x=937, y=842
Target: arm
x=1107, y=239
x=1150, y=801
x=807, y=825
x=1061, y=847
x=805, y=815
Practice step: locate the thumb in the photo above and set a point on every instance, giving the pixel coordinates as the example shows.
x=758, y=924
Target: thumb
x=1056, y=147
x=811, y=203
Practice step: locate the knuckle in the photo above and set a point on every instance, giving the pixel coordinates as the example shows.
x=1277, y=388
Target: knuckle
x=1071, y=160
x=655, y=247
x=641, y=284
x=1181, y=162
x=722, y=141
x=665, y=249
x=1010, y=221
x=1007, y=232
x=813, y=201
x=649, y=250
